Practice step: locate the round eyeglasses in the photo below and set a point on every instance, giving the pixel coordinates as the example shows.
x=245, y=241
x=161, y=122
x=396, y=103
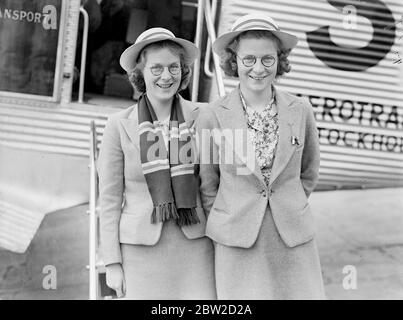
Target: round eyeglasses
x=249, y=61
x=173, y=69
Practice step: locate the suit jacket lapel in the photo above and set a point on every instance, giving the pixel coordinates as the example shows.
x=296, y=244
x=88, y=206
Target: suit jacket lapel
x=131, y=124
x=190, y=111
x=231, y=116
x=289, y=122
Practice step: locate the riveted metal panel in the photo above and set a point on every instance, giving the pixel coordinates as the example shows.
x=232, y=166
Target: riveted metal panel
x=64, y=131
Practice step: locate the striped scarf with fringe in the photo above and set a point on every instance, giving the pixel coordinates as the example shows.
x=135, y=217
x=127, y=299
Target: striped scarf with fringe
x=173, y=184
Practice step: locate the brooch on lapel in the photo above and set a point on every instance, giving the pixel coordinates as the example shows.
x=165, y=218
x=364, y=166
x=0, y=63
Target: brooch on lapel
x=295, y=140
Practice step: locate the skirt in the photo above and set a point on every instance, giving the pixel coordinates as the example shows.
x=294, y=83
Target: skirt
x=269, y=269
x=174, y=268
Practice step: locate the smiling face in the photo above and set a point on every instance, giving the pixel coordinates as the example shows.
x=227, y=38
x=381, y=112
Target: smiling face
x=164, y=86
x=258, y=78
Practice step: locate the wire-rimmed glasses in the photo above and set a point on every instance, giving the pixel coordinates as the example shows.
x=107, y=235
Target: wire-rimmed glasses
x=250, y=60
x=158, y=69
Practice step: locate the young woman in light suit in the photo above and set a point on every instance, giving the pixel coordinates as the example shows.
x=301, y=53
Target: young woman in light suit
x=152, y=223
x=256, y=190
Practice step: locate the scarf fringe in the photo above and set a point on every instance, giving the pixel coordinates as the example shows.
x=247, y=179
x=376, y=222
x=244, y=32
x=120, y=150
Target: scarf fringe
x=187, y=217
x=168, y=211
x=164, y=212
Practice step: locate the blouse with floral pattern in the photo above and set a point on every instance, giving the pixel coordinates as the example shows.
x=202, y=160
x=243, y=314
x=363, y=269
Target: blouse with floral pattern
x=263, y=131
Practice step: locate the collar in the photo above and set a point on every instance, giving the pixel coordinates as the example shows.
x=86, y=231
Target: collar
x=270, y=109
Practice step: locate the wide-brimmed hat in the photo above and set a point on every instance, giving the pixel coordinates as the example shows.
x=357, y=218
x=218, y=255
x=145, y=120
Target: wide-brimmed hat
x=128, y=59
x=254, y=22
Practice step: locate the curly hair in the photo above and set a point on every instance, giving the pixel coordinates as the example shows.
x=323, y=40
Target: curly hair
x=136, y=76
x=228, y=61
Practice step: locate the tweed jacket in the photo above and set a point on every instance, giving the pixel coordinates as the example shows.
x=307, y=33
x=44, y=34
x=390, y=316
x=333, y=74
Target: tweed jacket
x=234, y=194
x=125, y=201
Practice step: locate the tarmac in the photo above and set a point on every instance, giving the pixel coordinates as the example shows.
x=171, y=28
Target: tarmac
x=359, y=232
x=362, y=229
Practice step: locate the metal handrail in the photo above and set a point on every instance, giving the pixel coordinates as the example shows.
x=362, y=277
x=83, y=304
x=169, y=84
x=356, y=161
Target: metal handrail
x=198, y=42
x=207, y=70
x=212, y=36
x=93, y=219
x=83, y=55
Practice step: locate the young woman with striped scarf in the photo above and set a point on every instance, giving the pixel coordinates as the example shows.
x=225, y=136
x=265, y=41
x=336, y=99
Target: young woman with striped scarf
x=152, y=222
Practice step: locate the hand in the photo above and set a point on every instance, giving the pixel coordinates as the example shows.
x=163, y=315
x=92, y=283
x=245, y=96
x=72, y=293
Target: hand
x=115, y=279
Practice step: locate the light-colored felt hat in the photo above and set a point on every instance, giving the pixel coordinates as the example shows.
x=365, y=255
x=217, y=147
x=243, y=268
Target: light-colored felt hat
x=128, y=59
x=254, y=22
